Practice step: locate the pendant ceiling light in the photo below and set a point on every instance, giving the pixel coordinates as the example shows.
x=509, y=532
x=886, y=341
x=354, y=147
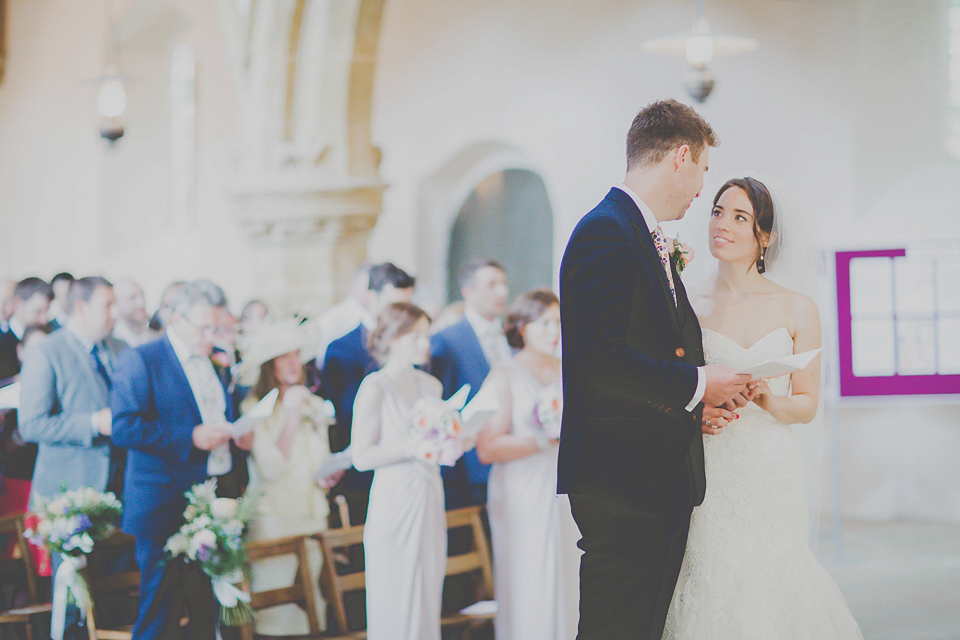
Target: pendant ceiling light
x=699, y=47
x=112, y=100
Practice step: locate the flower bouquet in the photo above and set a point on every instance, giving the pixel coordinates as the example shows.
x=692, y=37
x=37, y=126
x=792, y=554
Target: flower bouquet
x=433, y=432
x=71, y=524
x=548, y=410
x=211, y=539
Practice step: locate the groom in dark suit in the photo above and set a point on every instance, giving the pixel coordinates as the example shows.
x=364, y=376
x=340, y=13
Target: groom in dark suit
x=631, y=453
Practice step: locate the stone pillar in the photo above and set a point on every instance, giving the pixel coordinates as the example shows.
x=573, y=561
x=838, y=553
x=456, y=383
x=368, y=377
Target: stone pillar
x=306, y=183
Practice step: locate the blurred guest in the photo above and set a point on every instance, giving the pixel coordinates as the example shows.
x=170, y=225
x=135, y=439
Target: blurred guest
x=288, y=449
x=347, y=362
x=31, y=302
x=172, y=413
x=463, y=354
x=524, y=511
x=344, y=316
x=132, y=325
x=160, y=318
x=65, y=392
x=405, y=536
x=448, y=316
x=59, y=306
x=253, y=316
x=6, y=303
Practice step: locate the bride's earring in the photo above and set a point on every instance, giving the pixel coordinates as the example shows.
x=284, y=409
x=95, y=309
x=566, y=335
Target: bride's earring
x=761, y=266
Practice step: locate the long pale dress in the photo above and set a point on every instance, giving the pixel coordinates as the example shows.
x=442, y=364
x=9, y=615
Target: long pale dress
x=748, y=572
x=526, y=522
x=289, y=503
x=405, y=536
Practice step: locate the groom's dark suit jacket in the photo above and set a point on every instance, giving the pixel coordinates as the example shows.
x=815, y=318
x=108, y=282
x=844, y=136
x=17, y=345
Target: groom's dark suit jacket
x=629, y=368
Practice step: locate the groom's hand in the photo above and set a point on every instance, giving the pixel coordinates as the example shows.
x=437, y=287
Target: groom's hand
x=723, y=384
x=715, y=419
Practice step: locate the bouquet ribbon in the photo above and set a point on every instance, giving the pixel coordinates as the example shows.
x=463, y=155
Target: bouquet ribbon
x=68, y=579
x=228, y=595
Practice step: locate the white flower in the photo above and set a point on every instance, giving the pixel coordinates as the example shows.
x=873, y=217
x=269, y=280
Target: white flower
x=59, y=505
x=224, y=508
x=43, y=527
x=177, y=544
x=203, y=538
x=83, y=542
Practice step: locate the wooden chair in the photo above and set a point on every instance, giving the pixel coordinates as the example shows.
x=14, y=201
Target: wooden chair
x=476, y=562
x=21, y=617
x=299, y=593
x=335, y=545
x=124, y=583
x=336, y=585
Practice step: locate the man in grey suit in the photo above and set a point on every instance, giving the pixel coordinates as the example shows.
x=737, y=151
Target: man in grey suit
x=64, y=398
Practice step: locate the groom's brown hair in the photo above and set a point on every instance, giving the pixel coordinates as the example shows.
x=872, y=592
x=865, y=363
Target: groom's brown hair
x=661, y=127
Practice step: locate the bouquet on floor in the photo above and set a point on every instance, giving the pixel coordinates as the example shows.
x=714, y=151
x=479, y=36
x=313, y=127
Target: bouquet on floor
x=71, y=524
x=211, y=540
x=433, y=433
x=548, y=410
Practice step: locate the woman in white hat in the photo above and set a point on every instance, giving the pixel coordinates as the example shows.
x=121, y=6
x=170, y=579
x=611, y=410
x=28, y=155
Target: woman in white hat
x=288, y=448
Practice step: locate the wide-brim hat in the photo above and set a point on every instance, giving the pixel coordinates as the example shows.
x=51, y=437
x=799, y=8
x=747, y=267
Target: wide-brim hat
x=275, y=339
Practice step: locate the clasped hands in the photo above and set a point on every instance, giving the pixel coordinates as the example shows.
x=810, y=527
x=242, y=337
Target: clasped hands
x=209, y=436
x=726, y=392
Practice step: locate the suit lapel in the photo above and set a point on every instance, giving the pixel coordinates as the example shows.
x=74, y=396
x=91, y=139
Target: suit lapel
x=650, y=248
x=180, y=378
x=96, y=384
x=473, y=342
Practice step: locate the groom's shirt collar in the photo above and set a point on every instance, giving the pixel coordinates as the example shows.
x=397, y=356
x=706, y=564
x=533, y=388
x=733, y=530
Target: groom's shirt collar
x=645, y=211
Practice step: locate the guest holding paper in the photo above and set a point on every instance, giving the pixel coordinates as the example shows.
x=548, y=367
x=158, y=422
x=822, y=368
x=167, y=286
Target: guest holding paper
x=521, y=442
x=288, y=448
x=405, y=537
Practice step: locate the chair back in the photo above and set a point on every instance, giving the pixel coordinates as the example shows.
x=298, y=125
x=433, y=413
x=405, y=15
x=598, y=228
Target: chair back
x=335, y=544
x=11, y=528
x=103, y=582
x=476, y=560
x=300, y=592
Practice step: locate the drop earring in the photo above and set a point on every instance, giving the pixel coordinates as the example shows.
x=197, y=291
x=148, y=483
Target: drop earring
x=761, y=265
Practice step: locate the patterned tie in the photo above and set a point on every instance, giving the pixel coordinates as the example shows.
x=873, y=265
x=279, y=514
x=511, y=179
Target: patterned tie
x=212, y=409
x=661, y=244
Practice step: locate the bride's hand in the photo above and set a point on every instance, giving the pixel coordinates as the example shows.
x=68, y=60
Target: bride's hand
x=715, y=418
x=758, y=391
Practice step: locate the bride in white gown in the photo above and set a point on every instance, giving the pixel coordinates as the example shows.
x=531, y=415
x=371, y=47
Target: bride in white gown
x=748, y=572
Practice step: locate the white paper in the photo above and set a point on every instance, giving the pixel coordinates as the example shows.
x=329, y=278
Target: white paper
x=10, y=396
x=781, y=366
x=871, y=286
x=334, y=463
x=914, y=287
x=874, y=351
x=249, y=421
x=478, y=411
x=459, y=399
x=482, y=608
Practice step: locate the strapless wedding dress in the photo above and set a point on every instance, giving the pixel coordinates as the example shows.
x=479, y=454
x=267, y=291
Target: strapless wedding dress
x=748, y=573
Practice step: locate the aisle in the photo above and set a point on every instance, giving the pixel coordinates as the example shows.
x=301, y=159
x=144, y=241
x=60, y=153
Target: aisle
x=901, y=579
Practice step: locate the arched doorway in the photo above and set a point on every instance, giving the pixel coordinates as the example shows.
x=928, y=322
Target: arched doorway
x=507, y=217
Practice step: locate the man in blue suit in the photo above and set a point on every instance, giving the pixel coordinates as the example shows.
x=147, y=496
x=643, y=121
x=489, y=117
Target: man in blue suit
x=463, y=354
x=171, y=411
x=631, y=451
x=347, y=362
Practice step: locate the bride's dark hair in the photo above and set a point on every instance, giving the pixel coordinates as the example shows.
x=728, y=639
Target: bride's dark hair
x=762, y=202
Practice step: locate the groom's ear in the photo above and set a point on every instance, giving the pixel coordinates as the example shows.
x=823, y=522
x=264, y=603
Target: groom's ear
x=680, y=153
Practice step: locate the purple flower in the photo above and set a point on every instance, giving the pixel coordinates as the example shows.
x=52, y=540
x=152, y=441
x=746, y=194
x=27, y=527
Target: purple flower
x=203, y=554
x=83, y=523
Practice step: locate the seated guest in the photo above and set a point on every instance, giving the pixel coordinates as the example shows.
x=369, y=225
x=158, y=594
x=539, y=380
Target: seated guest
x=31, y=302
x=59, y=309
x=463, y=354
x=347, y=362
x=171, y=411
x=522, y=504
x=288, y=449
x=132, y=324
x=253, y=316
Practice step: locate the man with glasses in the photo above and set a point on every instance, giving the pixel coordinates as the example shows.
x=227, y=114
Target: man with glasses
x=171, y=411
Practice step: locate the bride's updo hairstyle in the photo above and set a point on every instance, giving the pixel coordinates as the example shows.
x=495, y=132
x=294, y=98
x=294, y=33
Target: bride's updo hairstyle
x=762, y=203
x=395, y=321
x=527, y=308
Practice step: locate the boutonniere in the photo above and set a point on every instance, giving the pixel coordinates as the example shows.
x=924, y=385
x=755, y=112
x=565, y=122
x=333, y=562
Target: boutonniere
x=682, y=255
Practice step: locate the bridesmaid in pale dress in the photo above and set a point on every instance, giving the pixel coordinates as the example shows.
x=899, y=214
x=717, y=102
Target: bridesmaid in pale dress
x=405, y=536
x=525, y=513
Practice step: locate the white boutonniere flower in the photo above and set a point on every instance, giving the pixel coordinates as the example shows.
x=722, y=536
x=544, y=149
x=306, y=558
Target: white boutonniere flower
x=682, y=255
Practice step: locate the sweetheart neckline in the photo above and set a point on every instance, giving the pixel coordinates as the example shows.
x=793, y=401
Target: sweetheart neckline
x=758, y=341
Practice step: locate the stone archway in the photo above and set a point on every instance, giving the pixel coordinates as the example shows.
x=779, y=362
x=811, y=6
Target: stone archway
x=443, y=196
